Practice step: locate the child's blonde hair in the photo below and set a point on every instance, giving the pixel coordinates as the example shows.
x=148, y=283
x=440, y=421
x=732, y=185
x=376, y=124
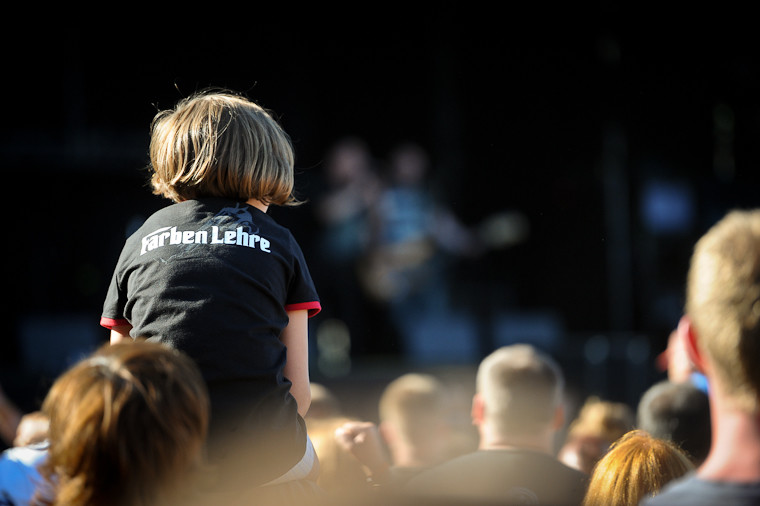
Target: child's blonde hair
x=220, y=144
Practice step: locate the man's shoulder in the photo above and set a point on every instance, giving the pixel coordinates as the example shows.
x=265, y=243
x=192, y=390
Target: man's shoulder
x=693, y=490
x=502, y=473
x=488, y=459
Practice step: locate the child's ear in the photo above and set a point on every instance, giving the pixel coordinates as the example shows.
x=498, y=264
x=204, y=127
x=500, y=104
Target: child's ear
x=688, y=334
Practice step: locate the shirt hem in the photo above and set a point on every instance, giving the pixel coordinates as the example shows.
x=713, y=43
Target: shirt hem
x=110, y=323
x=313, y=307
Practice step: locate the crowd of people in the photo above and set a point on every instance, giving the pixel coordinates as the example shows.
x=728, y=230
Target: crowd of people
x=203, y=394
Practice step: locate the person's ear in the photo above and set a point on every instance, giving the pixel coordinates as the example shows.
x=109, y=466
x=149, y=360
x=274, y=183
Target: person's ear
x=478, y=409
x=559, y=417
x=387, y=433
x=688, y=334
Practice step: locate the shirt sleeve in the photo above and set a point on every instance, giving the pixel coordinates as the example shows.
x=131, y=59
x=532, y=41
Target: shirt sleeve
x=115, y=301
x=312, y=307
x=302, y=293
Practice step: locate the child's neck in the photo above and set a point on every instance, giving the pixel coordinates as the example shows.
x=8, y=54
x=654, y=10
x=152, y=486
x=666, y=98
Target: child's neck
x=258, y=204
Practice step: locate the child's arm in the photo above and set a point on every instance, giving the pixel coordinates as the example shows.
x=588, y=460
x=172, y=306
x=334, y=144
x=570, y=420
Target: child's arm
x=120, y=332
x=296, y=338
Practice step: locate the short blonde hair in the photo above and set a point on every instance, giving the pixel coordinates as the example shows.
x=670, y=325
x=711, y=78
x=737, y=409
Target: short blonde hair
x=604, y=419
x=127, y=425
x=723, y=302
x=412, y=402
x=637, y=466
x=219, y=144
x=521, y=388
x=598, y=424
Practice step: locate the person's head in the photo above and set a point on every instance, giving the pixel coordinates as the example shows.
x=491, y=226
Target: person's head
x=678, y=412
x=409, y=164
x=127, y=424
x=412, y=413
x=607, y=419
x=598, y=424
x=637, y=466
x=220, y=144
x=348, y=161
x=723, y=306
x=521, y=391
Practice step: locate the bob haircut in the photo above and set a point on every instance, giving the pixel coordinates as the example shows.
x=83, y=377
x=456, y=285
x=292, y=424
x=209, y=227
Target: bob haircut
x=636, y=467
x=220, y=144
x=127, y=424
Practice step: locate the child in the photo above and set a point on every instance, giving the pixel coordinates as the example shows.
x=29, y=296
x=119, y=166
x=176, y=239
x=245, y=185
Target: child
x=214, y=276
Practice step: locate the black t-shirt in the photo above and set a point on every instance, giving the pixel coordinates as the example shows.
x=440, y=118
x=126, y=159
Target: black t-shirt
x=215, y=279
x=501, y=477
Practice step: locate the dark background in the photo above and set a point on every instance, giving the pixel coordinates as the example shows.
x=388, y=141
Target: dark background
x=569, y=116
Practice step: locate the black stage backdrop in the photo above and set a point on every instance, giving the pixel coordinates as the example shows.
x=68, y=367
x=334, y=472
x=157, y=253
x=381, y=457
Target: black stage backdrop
x=619, y=134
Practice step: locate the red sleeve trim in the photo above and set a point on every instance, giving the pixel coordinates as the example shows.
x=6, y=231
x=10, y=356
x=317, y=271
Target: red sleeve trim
x=110, y=323
x=313, y=307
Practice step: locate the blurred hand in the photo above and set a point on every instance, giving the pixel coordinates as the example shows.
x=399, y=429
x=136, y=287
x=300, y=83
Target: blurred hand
x=363, y=441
